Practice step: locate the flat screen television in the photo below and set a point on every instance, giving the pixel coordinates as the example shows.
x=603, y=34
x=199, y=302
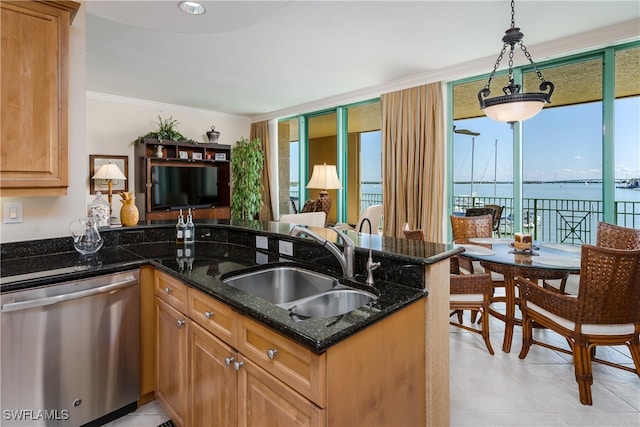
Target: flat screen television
x=179, y=187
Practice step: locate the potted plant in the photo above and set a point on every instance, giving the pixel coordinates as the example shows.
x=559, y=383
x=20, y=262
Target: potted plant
x=167, y=131
x=246, y=169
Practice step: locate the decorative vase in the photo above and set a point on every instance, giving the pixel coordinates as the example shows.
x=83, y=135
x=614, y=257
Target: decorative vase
x=129, y=214
x=159, y=153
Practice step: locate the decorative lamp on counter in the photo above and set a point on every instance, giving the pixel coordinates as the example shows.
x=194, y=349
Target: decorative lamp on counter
x=109, y=172
x=514, y=106
x=325, y=177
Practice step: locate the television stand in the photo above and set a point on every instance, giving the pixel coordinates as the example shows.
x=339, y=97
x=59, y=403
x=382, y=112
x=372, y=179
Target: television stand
x=152, y=198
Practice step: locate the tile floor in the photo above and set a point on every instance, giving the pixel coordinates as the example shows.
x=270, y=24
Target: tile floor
x=502, y=390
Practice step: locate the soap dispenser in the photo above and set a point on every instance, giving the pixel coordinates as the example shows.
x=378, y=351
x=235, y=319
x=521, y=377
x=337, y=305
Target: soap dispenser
x=180, y=228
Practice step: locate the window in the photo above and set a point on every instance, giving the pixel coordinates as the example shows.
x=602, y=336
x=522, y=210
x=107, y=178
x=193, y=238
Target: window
x=574, y=170
x=348, y=137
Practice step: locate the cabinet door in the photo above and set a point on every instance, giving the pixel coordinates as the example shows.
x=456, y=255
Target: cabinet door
x=265, y=401
x=212, y=382
x=34, y=116
x=171, y=361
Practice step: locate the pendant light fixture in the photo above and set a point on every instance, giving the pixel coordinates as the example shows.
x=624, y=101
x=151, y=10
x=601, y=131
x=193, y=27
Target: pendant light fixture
x=514, y=106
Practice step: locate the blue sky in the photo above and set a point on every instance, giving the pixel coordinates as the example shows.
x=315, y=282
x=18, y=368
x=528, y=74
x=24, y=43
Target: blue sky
x=559, y=143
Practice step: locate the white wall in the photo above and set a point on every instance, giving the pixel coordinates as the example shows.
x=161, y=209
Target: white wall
x=114, y=123
x=103, y=124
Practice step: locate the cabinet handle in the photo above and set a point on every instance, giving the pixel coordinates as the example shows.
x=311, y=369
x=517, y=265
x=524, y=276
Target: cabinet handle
x=271, y=353
x=237, y=365
x=181, y=323
x=208, y=314
x=228, y=360
x=168, y=290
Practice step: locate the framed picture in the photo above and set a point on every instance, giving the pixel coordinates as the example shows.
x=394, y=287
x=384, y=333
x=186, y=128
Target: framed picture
x=196, y=156
x=221, y=156
x=183, y=154
x=118, y=185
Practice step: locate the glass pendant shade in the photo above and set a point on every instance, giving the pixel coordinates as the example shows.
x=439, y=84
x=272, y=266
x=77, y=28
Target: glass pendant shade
x=513, y=110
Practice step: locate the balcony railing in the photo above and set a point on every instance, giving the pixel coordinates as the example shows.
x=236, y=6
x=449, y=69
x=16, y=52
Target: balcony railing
x=550, y=220
x=556, y=220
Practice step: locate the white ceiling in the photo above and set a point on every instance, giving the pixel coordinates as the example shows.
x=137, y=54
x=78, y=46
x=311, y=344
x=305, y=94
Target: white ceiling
x=258, y=57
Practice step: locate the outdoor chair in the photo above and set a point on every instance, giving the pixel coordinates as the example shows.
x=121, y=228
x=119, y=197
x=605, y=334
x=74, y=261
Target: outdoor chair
x=497, y=215
x=606, y=311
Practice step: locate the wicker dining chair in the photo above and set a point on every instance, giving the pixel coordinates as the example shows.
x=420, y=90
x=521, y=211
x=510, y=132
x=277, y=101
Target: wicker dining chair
x=467, y=291
x=467, y=227
x=617, y=237
x=417, y=234
x=605, y=312
x=607, y=236
x=471, y=292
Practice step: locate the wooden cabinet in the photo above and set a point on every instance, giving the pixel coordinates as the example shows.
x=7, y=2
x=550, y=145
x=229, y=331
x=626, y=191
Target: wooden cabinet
x=34, y=97
x=171, y=361
x=239, y=372
x=264, y=400
x=173, y=175
x=212, y=380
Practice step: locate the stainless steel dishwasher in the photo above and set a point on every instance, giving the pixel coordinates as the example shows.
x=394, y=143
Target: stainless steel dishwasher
x=70, y=351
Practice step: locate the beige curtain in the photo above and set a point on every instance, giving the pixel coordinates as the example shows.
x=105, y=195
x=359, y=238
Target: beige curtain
x=413, y=160
x=261, y=130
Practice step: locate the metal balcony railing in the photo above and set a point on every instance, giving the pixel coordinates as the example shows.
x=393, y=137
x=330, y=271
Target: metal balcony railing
x=550, y=220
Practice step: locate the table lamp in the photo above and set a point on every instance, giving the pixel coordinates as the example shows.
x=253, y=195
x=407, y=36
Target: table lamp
x=325, y=177
x=109, y=172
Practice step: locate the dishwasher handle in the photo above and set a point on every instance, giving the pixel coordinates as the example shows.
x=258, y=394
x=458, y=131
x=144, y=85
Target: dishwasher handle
x=41, y=302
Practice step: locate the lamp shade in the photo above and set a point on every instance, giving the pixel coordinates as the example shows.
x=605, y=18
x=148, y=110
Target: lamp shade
x=324, y=177
x=109, y=171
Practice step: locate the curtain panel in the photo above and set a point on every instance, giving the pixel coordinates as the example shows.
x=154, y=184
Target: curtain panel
x=413, y=160
x=261, y=130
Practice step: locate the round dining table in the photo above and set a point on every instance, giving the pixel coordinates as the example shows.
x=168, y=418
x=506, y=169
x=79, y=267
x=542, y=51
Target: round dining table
x=545, y=261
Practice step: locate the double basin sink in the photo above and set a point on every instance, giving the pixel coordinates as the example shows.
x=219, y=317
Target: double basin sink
x=305, y=293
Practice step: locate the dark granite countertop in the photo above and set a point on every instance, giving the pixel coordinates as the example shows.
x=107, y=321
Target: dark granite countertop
x=222, y=249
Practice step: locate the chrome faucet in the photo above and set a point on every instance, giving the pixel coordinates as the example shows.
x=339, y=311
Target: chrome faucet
x=346, y=259
x=370, y=264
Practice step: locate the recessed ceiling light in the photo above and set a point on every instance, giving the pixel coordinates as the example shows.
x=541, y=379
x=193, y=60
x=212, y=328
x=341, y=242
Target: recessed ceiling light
x=192, y=7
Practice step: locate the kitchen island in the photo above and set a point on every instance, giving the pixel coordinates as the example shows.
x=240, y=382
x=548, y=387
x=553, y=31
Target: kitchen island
x=409, y=272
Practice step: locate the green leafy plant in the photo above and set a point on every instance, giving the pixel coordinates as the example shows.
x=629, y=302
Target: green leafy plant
x=167, y=131
x=246, y=170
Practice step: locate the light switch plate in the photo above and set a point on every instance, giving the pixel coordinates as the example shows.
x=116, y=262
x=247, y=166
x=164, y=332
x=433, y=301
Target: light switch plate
x=12, y=213
x=262, y=242
x=285, y=248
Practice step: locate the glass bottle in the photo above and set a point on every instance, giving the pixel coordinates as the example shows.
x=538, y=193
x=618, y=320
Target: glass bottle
x=99, y=210
x=180, y=228
x=190, y=229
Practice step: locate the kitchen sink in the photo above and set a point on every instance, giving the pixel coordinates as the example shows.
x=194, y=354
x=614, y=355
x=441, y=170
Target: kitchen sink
x=282, y=284
x=303, y=292
x=333, y=303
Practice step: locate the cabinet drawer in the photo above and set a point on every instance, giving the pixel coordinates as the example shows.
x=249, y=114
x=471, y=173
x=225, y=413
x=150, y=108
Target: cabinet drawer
x=170, y=290
x=299, y=368
x=214, y=316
